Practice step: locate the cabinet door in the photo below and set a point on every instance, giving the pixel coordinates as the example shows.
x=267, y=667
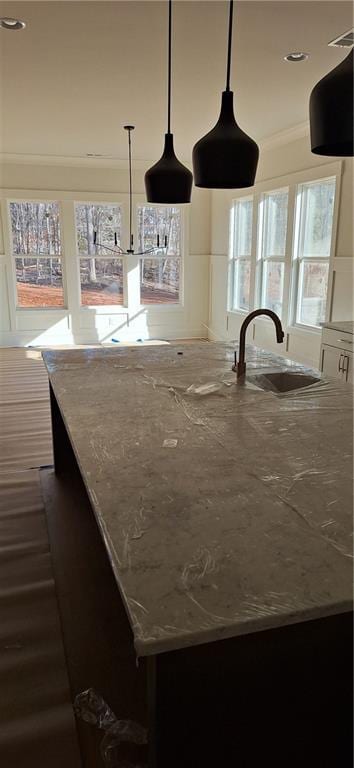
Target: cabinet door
x=332, y=361
x=337, y=362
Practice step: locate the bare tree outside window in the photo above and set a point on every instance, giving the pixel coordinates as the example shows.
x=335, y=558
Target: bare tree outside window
x=240, y=255
x=315, y=209
x=101, y=272
x=273, y=230
x=36, y=244
x=160, y=275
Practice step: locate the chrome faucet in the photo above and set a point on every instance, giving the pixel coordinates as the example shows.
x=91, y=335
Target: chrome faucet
x=240, y=366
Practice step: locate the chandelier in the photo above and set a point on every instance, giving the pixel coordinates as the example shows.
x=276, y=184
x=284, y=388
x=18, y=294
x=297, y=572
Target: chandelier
x=130, y=251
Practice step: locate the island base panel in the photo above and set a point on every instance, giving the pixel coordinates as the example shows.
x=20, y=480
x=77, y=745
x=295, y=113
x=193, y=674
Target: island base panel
x=97, y=637
x=281, y=698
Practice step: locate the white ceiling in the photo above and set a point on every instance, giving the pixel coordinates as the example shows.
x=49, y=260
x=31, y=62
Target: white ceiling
x=81, y=70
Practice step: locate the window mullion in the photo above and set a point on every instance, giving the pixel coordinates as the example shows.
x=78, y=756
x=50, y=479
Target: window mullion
x=288, y=258
x=258, y=266
x=70, y=262
x=253, y=286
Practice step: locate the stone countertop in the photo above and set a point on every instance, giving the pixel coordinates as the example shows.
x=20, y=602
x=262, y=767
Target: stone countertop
x=343, y=326
x=225, y=509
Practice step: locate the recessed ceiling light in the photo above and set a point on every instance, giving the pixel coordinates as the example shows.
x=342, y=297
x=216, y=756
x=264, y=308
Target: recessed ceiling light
x=296, y=56
x=13, y=24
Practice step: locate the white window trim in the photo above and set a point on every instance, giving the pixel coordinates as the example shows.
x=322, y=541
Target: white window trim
x=178, y=306
x=261, y=259
x=112, y=308
x=232, y=259
x=14, y=305
x=297, y=260
x=291, y=181
x=70, y=262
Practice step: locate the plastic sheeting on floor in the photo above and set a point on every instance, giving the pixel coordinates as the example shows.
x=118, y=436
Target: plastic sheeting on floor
x=37, y=726
x=25, y=429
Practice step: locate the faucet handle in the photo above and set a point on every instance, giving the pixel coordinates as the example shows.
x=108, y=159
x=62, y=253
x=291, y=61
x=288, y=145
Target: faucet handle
x=234, y=367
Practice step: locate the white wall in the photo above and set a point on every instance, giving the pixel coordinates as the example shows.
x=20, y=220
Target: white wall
x=205, y=276
x=88, y=325
x=304, y=346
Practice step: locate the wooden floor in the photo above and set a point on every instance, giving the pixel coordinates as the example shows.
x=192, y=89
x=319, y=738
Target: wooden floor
x=37, y=726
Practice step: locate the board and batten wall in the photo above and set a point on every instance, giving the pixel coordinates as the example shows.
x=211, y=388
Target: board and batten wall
x=20, y=326
x=281, y=160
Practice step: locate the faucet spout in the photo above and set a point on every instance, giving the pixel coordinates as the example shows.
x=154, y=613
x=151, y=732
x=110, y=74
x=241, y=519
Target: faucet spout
x=240, y=366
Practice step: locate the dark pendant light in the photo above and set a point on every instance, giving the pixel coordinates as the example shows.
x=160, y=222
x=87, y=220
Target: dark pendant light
x=168, y=181
x=331, y=112
x=226, y=158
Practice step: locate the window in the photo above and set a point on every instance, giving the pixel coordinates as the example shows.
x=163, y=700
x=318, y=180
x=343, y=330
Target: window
x=160, y=274
x=241, y=242
x=36, y=245
x=101, y=271
x=280, y=247
x=313, y=238
x=273, y=214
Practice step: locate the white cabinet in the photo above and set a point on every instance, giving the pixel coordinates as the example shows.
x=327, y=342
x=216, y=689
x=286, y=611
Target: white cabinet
x=336, y=362
x=337, y=354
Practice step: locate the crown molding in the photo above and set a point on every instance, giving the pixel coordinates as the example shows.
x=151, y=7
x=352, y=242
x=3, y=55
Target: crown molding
x=111, y=161
x=287, y=136
x=71, y=161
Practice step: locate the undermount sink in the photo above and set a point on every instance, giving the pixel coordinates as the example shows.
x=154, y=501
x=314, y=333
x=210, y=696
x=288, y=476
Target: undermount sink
x=283, y=381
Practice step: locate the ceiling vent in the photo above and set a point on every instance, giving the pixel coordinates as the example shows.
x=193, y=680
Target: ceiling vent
x=346, y=40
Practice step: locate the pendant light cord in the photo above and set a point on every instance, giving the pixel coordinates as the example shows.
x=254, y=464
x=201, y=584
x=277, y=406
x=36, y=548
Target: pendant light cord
x=229, y=46
x=130, y=189
x=169, y=66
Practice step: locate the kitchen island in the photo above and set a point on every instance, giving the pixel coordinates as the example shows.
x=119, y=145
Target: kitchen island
x=226, y=514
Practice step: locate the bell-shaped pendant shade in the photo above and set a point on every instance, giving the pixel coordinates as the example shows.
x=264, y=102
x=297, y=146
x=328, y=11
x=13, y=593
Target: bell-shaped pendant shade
x=168, y=181
x=226, y=158
x=331, y=112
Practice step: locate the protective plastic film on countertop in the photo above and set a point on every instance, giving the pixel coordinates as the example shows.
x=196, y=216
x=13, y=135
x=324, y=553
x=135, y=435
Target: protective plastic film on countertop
x=92, y=708
x=226, y=507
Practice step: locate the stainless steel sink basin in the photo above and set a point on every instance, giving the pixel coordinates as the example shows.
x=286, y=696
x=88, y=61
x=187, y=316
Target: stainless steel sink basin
x=283, y=381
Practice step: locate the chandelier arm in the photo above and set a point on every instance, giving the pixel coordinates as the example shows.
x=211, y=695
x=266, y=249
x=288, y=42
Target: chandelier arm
x=120, y=252
x=151, y=250
x=116, y=250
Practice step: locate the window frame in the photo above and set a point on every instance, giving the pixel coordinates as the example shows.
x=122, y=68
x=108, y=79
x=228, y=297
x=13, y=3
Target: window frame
x=234, y=260
x=14, y=256
x=114, y=308
x=298, y=260
x=261, y=258
x=291, y=181
x=173, y=306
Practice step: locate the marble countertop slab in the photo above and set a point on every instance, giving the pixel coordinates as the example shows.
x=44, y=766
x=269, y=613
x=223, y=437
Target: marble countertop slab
x=344, y=326
x=225, y=509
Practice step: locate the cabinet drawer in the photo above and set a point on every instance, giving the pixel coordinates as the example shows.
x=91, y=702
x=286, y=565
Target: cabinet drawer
x=339, y=339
